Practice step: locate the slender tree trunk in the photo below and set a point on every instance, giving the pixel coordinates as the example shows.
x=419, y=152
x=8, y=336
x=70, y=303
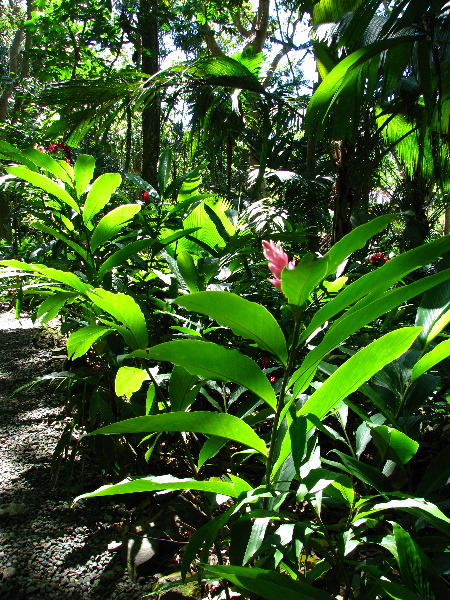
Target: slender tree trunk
x=151, y=115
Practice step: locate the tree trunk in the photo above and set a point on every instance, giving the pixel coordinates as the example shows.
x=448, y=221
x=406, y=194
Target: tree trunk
x=151, y=115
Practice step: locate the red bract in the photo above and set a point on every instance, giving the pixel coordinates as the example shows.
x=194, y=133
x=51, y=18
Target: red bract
x=145, y=197
x=378, y=259
x=52, y=148
x=278, y=260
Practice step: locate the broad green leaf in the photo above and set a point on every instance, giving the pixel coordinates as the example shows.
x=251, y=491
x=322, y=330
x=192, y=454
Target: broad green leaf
x=122, y=255
x=366, y=473
x=111, y=223
x=180, y=389
x=83, y=171
x=245, y=318
x=129, y=380
x=416, y=568
x=393, y=444
x=69, y=279
x=357, y=370
x=433, y=313
x=126, y=310
x=81, y=340
x=42, y=159
x=298, y=283
x=44, y=183
x=52, y=305
x=100, y=194
x=256, y=538
x=430, y=359
x=61, y=236
x=164, y=167
x=397, y=591
x=212, y=361
x=189, y=272
x=373, y=284
x=356, y=318
x=267, y=584
x=209, y=423
x=165, y=482
x=417, y=507
x=209, y=449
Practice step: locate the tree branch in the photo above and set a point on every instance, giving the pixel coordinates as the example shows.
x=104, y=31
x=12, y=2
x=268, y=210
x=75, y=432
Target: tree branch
x=210, y=38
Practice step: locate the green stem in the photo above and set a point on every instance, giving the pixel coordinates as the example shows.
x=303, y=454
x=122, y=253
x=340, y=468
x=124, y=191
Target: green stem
x=281, y=397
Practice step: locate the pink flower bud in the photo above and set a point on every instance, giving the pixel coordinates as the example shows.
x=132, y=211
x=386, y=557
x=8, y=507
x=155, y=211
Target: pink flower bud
x=278, y=260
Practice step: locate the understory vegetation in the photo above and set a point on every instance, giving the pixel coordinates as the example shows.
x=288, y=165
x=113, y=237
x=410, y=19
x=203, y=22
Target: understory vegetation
x=251, y=272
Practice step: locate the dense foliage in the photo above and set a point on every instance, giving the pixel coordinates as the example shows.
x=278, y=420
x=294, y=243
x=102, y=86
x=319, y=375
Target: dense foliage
x=301, y=404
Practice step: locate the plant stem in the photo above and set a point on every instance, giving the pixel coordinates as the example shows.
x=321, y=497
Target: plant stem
x=281, y=397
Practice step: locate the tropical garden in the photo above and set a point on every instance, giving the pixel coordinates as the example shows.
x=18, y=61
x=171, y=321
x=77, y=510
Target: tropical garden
x=239, y=213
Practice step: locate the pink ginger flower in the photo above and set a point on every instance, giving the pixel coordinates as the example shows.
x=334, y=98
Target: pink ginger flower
x=278, y=260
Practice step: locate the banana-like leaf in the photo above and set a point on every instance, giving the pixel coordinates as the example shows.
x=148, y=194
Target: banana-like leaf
x=126, y=310
x=232, y=489
x=112, y=223
x=209, y=423
x=267, y=584
x=430, y=359
x=129, y=380
x=212, y=361
x=83, y=172
x=358, y=369
x=69, y=279
x=81, y=340
x=298, y=283
x=100, y=194
x=44, y=183
x=247, y=319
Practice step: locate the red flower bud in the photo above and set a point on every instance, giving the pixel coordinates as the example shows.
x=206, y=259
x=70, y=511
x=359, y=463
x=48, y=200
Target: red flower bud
x=378, y=259
x=145, y=197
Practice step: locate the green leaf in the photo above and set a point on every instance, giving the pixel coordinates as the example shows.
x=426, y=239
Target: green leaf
x=100, y=194
x=417, y=507
x=122, y=255
x=81, y=340
x=267, y=584
x=44, y=183
x=212, y=361
x=433, y=306
x=298, y=283
x=366, y=473
x=416, y=568
x=393, y=444
x=355, y=318
x=69, y=279
x=209, y=423
x=129, y=380
x=189, y=272
x=61, y=236
x=111, y=223
x=209, y=449
x=245, y=318
x=43, y=160
x=371, y=286
x=165, y=482
x=398, y=591
x=52, y=305
x=181, y=394
x=164, y=167
x=430, y=359
x=357, y=370
x=83, y=171
x=126, y=310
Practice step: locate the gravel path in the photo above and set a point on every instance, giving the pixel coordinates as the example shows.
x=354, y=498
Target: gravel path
x=47, y=549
